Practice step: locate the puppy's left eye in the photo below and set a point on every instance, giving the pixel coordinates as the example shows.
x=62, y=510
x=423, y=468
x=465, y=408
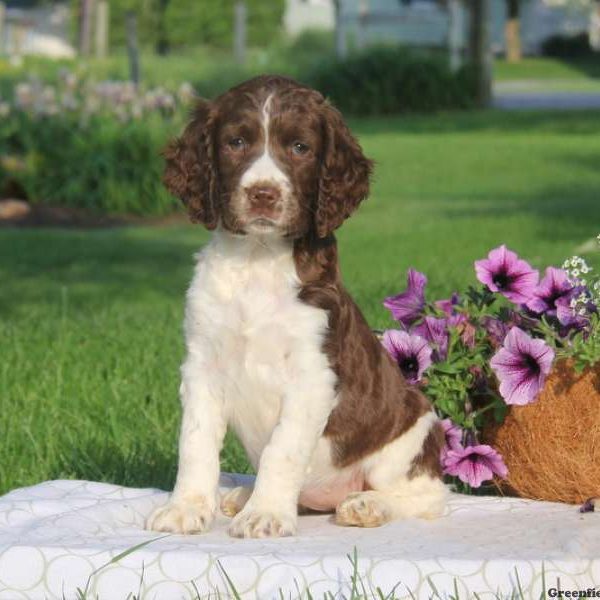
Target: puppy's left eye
x=237, y=144
x=300, y=148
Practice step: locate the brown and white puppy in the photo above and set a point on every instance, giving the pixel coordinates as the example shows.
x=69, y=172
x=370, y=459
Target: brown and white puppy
x=276, y=348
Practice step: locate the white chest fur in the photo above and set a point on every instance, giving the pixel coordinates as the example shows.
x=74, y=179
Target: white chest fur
x=249, y=332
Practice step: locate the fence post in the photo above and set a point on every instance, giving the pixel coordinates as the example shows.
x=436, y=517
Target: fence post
x=102, y=20
x=132, y=46
x=341, y=47
x=480, y=50
x=85, y=26
x=455, y=33
x=363, y=15
x=594, y=33
x=2, y=17
x=240, y=16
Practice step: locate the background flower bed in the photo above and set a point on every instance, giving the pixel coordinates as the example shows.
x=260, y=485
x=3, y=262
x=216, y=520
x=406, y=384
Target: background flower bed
x=86, y=145
x=54, y=118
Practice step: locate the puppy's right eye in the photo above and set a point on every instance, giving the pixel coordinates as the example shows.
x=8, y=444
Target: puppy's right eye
x=237, y=144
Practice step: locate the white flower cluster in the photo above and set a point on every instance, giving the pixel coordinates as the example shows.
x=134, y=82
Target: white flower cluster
x=72, y=95
x=596, y=293
x=577, y=269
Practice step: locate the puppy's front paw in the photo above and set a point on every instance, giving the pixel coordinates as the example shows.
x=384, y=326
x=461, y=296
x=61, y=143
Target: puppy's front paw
x=252, y=523
x=182, y=517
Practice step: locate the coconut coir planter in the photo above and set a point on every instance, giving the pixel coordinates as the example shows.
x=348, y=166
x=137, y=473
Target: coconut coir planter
x=552, y=446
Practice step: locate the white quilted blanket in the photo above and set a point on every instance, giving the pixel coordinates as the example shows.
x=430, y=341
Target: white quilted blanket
x=58, y=536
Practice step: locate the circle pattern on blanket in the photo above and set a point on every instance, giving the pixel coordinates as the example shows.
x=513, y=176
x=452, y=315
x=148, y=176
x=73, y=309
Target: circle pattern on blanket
x=12, y=571
x=183, y=566
x=55, y=535
x=62, y=573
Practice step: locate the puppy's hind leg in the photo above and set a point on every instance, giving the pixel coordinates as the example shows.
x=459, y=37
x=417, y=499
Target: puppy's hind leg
x=234, y=500
x=404, y=477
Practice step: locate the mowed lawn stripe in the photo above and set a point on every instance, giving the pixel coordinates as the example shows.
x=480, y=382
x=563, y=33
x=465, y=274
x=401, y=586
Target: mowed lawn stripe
x=90, y=321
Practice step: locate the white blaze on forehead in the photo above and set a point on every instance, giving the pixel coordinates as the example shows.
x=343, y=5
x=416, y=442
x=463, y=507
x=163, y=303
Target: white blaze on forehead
x=264, y=167
x=266, y=119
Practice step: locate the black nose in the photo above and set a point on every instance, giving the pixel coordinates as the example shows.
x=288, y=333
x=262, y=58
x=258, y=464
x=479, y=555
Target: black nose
x=263, y=196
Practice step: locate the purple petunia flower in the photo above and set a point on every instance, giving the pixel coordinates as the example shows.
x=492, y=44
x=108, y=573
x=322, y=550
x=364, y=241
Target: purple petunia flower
x=411, y=352
x=554, y=285
x=574, y=308
x=522, y=365
x=447, y=305
x=467, y=332
x=435, y=331
x=474, y=464
x=496, y=330
x=503, y=271
x=453, y=434
x=408, y=306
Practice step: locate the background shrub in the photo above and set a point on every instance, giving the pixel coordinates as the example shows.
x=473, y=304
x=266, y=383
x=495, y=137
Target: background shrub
x=568, y=46
x=211, y=22
x=386, y=80
x=106, y=166
x=164, y=24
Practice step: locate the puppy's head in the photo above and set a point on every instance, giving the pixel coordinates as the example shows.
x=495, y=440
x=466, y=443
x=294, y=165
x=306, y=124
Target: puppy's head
x=269, y=156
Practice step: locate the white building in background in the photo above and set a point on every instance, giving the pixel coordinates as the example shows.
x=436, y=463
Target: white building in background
x=301, y=15
x=41, y=31
x=425, y=22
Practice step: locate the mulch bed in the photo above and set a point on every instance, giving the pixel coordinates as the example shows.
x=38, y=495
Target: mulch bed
x=20, y=213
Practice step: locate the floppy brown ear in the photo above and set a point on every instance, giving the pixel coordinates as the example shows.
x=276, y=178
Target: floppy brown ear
x=345, y=173
x=190, y=170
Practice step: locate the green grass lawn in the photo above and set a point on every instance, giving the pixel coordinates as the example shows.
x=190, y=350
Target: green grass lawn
x=90, y=321
x=547, y=68
x=549, y=74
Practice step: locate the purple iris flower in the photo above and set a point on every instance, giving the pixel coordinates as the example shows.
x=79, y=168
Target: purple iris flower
x=503, y=271
x=408, y=306
x=411, y=352
x=522, y=365
x=554, y=285
x=435, y=331
x=474, y=464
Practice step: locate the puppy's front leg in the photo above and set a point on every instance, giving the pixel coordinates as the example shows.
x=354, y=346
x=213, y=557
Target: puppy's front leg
x=193, y=503
x=271, y=511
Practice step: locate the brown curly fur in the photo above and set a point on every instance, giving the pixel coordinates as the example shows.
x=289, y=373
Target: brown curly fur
x=189, y=168
x=344, y=181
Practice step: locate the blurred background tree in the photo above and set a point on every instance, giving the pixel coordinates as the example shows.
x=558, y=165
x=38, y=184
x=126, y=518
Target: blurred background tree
x=172, y=24
x=512, y=30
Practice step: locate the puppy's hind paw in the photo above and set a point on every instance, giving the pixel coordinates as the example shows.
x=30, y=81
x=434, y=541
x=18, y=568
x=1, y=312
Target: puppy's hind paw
x=362, y=509
x=235, y=500
x=182, y=517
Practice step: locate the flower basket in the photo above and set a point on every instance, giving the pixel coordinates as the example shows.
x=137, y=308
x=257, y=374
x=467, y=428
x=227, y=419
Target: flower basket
x=552, y=446
x=513, y=369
